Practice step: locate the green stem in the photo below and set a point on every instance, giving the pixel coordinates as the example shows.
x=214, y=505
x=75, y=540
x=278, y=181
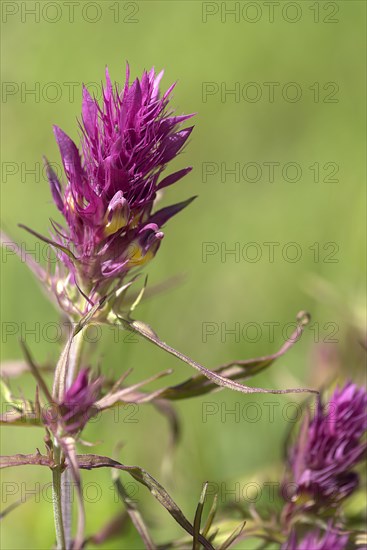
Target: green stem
x=66, y=371
x=75, y=356
x=56, y=499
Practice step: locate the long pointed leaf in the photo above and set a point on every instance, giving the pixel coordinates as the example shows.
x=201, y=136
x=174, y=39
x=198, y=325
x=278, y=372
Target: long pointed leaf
x=142, y=476
x=24, y=460
x=133, y=511
x=145, y=331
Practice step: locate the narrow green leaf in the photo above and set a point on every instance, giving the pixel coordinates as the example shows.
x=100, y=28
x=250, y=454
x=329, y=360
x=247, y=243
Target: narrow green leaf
x=197, y=519
x=211, y=516
x=233, y=537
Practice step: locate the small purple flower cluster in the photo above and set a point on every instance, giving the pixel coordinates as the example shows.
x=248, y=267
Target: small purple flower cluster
x=314, y=540
x=330, y=446
x=322, y=464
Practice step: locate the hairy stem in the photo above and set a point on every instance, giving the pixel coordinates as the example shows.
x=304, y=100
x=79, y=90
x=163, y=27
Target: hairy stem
x=56, y=499
x=65, y=374
x=75, y=356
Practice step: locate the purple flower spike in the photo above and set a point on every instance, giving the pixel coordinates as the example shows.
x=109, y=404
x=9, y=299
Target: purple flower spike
x=331, y=540
x=112, y=182
x=329, y=447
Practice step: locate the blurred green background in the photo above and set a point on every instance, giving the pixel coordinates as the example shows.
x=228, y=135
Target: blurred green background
x=196, y=43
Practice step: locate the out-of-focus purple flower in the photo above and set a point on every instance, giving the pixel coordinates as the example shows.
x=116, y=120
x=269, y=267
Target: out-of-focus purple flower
x=112, y=183
x=77, y=406
x=314, y=540
x=329, y=447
